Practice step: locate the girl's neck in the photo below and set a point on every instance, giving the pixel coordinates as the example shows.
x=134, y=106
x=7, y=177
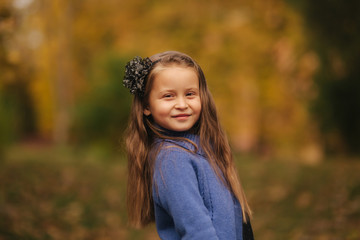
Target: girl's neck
x=185, y=139
x=171, y=133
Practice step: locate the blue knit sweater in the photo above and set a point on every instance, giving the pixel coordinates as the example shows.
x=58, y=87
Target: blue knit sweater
x=190, y=201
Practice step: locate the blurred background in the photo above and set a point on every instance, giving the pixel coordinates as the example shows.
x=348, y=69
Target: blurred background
x=284, y=75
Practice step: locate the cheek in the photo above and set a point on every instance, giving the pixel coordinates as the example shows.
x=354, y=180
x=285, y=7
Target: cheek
x=197, y=107
x=162, y=108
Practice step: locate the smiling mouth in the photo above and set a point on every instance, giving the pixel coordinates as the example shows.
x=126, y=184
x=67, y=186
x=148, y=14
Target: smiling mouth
x=182, y=116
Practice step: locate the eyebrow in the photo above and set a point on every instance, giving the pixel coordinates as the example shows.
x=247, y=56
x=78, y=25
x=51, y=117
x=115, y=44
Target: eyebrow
x=173, y=90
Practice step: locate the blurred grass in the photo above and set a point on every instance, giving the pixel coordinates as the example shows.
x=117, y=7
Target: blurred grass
x=54, y=193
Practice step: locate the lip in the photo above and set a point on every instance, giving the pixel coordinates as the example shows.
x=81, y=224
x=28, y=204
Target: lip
x=181, y=116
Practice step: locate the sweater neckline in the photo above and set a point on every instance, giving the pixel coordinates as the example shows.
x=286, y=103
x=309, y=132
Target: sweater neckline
x=184, y=134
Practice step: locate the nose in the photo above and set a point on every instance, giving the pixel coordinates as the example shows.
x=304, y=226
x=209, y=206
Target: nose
x=181, y=103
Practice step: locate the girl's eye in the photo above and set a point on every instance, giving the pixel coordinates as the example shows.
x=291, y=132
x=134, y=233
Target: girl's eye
x=190, y=94
x=167, y=95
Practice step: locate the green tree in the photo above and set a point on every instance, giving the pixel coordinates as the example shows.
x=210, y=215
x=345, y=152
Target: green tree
x=17, y=117
x=334, y=31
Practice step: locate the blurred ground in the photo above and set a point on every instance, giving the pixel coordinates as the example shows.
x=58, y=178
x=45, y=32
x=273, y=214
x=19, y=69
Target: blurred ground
x=54, y=193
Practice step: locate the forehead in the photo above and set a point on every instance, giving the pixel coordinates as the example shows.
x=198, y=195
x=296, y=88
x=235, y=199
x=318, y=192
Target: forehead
x=175, y=76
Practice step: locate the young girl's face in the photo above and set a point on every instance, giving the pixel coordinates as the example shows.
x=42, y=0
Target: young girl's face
x=174, y=99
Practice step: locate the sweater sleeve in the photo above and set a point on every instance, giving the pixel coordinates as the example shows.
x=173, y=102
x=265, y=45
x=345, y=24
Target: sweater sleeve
x=177, y=192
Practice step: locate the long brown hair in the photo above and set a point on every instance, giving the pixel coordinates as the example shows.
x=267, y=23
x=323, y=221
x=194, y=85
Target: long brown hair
x=141, y=133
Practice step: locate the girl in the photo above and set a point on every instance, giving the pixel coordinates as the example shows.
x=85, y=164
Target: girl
x=181, y=171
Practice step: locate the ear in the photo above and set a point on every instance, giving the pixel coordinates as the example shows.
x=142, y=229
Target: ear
x=147, y=111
